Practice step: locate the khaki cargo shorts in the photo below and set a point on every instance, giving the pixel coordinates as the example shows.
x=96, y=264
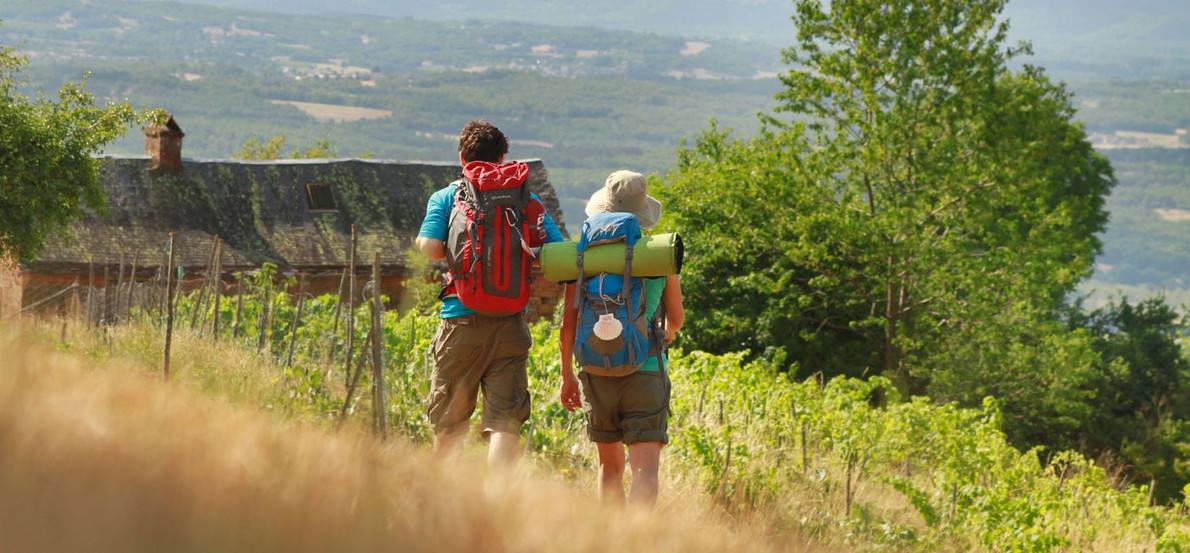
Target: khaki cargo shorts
x=475, y=352
x=628, y=409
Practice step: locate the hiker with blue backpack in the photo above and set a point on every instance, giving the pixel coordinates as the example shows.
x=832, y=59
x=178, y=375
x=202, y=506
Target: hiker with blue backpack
x=616, y=327
x=487, y=226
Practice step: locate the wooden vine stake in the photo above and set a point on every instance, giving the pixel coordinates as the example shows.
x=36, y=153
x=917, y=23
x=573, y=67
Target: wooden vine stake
x=76, y=309
x=169, y=313
x=805, y=453
x=217, y=285
x=353, y=381
x=379, y=403
x=849, y=491
x=200, y=302
x=105, y=302
x=265, y=312
x=350, y=308
x=296, y=319
x=180, y=279
x=330, y=348
x=240, y=291
x=131, y=283
x=90, y=292
x=723, y=480
x=119, y=288
x=65, y=312
x=153, y=302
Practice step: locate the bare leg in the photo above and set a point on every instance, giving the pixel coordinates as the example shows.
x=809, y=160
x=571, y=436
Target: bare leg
x=645, y=459
x=503, y=449
x=448, y=446
x=611, y=473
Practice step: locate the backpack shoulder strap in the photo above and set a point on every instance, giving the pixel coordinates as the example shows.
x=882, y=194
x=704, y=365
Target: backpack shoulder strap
x=657, y=332
x=465, y=192
x=626, y=293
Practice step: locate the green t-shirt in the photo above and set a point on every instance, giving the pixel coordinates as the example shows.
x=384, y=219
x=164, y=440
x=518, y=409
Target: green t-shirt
x=653, y=289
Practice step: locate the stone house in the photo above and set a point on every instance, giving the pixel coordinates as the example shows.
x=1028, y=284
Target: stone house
x=296, y=214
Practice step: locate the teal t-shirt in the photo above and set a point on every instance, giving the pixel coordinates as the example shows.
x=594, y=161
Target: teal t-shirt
x=435, y=226
x=653, y=289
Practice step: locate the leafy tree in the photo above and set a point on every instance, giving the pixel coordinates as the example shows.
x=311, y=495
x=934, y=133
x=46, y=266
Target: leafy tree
x=912, y=208
x=1141, y=405
x=47, y=172
x=272, y=148
x=254, y=149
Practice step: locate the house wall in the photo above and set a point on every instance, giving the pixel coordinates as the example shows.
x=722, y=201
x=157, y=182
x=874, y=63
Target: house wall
x=543, y=304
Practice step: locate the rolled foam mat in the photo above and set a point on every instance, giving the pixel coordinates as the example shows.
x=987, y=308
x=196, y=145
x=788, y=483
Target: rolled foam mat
x=653, y=256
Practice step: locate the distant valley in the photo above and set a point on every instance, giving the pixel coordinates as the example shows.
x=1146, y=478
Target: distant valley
x=585, y=98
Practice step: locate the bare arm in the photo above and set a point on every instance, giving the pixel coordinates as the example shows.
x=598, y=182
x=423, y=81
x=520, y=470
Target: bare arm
x=567, y=331
x=675, y=315
x=433, y=248
x=569, y=392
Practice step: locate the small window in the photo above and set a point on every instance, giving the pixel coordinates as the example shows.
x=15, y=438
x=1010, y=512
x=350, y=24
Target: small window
x=320, y=197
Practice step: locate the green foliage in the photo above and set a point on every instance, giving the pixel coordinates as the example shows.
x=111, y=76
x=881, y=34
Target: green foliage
x=272, y=148
x=756, y=441
x=1039, y=370
x=750, y=292
x=1141, y=405
x=254, y=149
x=47, y=174
x=816, y=457
x=913, y=209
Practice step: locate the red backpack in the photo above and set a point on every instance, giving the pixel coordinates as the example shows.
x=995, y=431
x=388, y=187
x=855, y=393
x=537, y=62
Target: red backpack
x=493, y=228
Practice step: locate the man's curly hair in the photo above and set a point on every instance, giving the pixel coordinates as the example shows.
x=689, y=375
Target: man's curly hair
x=482, y=141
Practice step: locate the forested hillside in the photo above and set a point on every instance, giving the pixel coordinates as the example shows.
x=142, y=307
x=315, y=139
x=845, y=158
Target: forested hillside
x=765, y=20
x=1150, y=220
x=1140, y=39
x=585, y=101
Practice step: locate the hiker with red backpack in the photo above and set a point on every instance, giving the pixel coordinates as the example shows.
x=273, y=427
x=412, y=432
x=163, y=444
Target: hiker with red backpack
x=616, y=327
x=487, y=226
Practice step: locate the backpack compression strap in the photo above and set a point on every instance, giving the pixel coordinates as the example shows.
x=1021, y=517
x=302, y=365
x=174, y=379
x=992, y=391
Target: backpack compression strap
x=470, y=193
x=515, y=220
x=578, y=284
x=657, y=332
x=626, y=294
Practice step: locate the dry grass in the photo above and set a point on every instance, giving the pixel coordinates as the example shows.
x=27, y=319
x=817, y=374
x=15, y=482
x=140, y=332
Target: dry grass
x=117, y=460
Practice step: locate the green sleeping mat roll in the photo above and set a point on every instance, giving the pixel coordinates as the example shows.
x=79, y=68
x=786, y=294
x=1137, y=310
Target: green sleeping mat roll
x=653, y=256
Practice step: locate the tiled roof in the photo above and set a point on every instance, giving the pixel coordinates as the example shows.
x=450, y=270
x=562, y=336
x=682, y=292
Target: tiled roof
x=261, y=211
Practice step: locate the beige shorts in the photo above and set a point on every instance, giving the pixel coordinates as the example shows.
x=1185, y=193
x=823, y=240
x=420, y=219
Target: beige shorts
x=475, y=352
x=628, y=409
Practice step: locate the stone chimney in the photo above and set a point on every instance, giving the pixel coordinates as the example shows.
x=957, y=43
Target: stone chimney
x=163, y=145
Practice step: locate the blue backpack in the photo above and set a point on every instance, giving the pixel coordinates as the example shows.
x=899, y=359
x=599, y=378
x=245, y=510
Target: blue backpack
x=615, y=335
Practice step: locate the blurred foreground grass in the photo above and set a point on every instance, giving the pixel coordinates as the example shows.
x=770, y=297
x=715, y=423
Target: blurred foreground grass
x=238, y=452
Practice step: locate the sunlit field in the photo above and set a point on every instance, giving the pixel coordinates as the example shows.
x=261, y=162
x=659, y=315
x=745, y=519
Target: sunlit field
x=239, y=452
x=102, y=455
